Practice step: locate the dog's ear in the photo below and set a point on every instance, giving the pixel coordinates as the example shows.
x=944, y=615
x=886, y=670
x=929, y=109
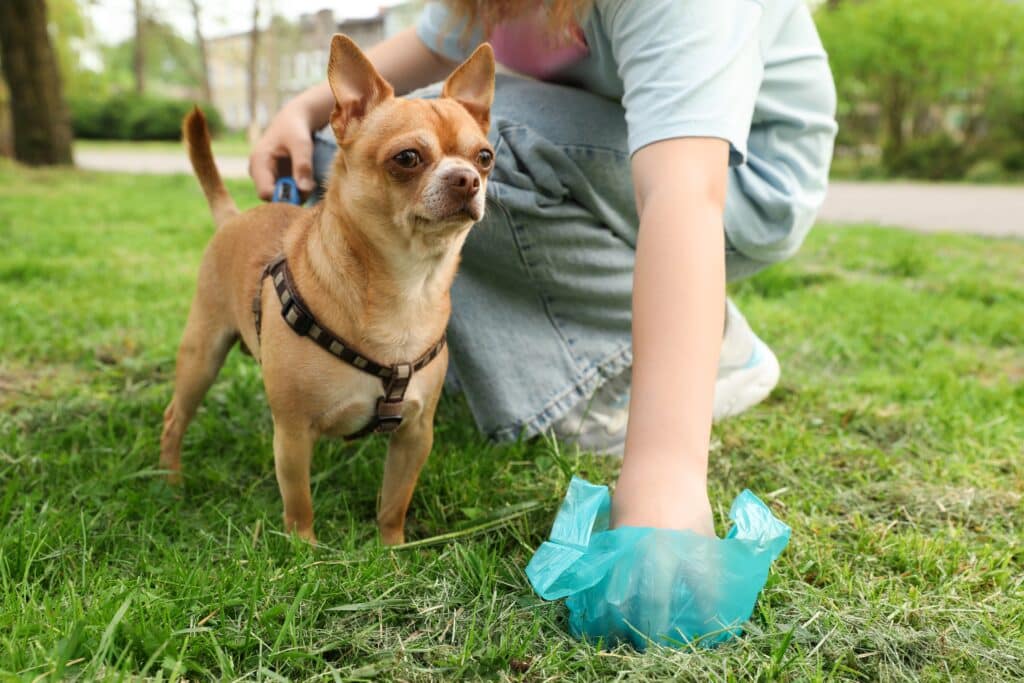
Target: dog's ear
x=356, y=85
x=472, y=85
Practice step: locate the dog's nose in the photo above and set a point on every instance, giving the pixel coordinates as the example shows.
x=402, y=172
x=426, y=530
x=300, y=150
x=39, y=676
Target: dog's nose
x=463, y=182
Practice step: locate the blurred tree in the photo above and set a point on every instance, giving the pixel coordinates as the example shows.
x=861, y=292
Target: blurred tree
x=929, y=67
x=68, y=29
x=73, y=38
x=254, y=59
x=169, y=59
x=6, y=134
x=204, y=64
x=71, y=34
x=139, y=50
x=40, y=120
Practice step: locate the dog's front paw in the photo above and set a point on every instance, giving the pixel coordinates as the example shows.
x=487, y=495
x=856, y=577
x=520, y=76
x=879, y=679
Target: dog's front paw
x=305, y=532
x=392, y=536
x=307, y=535
x=171, y=465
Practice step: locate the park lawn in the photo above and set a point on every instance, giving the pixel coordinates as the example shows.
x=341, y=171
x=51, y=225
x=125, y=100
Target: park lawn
x=893, y=447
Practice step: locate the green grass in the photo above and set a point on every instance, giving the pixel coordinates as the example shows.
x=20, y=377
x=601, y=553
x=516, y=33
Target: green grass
x=893, y=447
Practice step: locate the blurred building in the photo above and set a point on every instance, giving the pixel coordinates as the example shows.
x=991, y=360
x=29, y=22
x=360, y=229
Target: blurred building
x=291, y=57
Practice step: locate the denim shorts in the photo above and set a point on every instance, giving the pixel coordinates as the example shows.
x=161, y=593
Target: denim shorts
x=541, y=307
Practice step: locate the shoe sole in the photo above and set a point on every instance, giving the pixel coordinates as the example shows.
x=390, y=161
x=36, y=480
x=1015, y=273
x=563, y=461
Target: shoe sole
x=744, y=388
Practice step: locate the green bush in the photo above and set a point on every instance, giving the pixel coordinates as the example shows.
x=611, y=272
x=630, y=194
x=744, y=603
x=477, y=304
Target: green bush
x=986, y=171
x=935, y=157
x=1005, y=140
x=913, y=76
x=1013, y=157
x=135, y=117
x=91, y=119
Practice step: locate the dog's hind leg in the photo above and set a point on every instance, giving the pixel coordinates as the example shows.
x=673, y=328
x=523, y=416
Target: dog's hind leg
x=204, y=345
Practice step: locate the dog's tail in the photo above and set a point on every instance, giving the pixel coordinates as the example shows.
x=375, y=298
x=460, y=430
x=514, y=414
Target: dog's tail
x=197, y=141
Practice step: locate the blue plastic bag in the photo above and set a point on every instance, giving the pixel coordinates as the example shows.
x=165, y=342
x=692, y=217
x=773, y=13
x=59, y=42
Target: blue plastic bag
x=642, y=585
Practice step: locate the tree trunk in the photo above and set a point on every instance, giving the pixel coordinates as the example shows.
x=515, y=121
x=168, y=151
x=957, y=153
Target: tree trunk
x=39, y=115
x=895, y=108
x=139, y=52
x=6, y=135
x=254, y=58
x=204, y=65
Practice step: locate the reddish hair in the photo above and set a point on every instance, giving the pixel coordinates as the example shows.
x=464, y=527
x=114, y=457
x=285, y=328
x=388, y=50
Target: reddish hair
x=561, y=14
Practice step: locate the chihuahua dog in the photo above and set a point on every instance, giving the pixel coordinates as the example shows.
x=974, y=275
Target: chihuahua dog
x=345, y=305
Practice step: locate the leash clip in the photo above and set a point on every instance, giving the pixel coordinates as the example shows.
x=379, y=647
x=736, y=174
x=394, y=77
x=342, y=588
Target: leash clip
x=285, y=190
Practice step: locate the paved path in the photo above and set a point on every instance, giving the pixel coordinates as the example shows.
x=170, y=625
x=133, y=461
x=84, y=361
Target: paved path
x=154, y=162
x=996, y=210
x=981, y=210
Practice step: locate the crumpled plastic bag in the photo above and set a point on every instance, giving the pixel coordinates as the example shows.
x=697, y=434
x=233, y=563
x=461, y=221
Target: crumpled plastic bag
x=646, y=585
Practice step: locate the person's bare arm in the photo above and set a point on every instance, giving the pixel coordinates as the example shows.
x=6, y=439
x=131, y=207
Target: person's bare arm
x=403, y=60
x=678, y=317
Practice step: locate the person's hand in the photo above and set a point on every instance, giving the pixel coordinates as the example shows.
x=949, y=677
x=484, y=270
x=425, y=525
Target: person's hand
x=287, y=142
x=659, y=493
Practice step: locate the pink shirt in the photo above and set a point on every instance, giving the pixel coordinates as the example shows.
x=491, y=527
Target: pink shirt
x=525, y=45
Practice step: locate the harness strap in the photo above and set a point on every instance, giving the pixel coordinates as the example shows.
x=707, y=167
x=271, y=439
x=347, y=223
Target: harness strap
x=395, y=378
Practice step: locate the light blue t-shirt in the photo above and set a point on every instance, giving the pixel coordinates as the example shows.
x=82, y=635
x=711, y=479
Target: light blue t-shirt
x=751, y=72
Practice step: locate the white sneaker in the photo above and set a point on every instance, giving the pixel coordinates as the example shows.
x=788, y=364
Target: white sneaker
x=598, y=425
x=747, y=373
x=747, y=368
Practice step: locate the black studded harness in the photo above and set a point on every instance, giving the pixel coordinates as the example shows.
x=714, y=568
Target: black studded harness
x=296, y=314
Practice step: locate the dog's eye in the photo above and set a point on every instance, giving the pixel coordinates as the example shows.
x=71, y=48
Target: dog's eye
x=408, y=158
x=484, y=158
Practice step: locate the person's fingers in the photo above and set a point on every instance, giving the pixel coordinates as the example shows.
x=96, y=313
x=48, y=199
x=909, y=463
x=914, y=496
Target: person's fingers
x=301, y=153
x=261, y=169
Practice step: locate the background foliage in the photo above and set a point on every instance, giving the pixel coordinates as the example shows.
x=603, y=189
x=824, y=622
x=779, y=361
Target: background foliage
x=929, y=88
x=170, y=59
x=128, y=116
x=102, y=102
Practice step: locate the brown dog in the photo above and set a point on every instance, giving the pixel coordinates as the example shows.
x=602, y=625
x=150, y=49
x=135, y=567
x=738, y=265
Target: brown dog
x=373, y=263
